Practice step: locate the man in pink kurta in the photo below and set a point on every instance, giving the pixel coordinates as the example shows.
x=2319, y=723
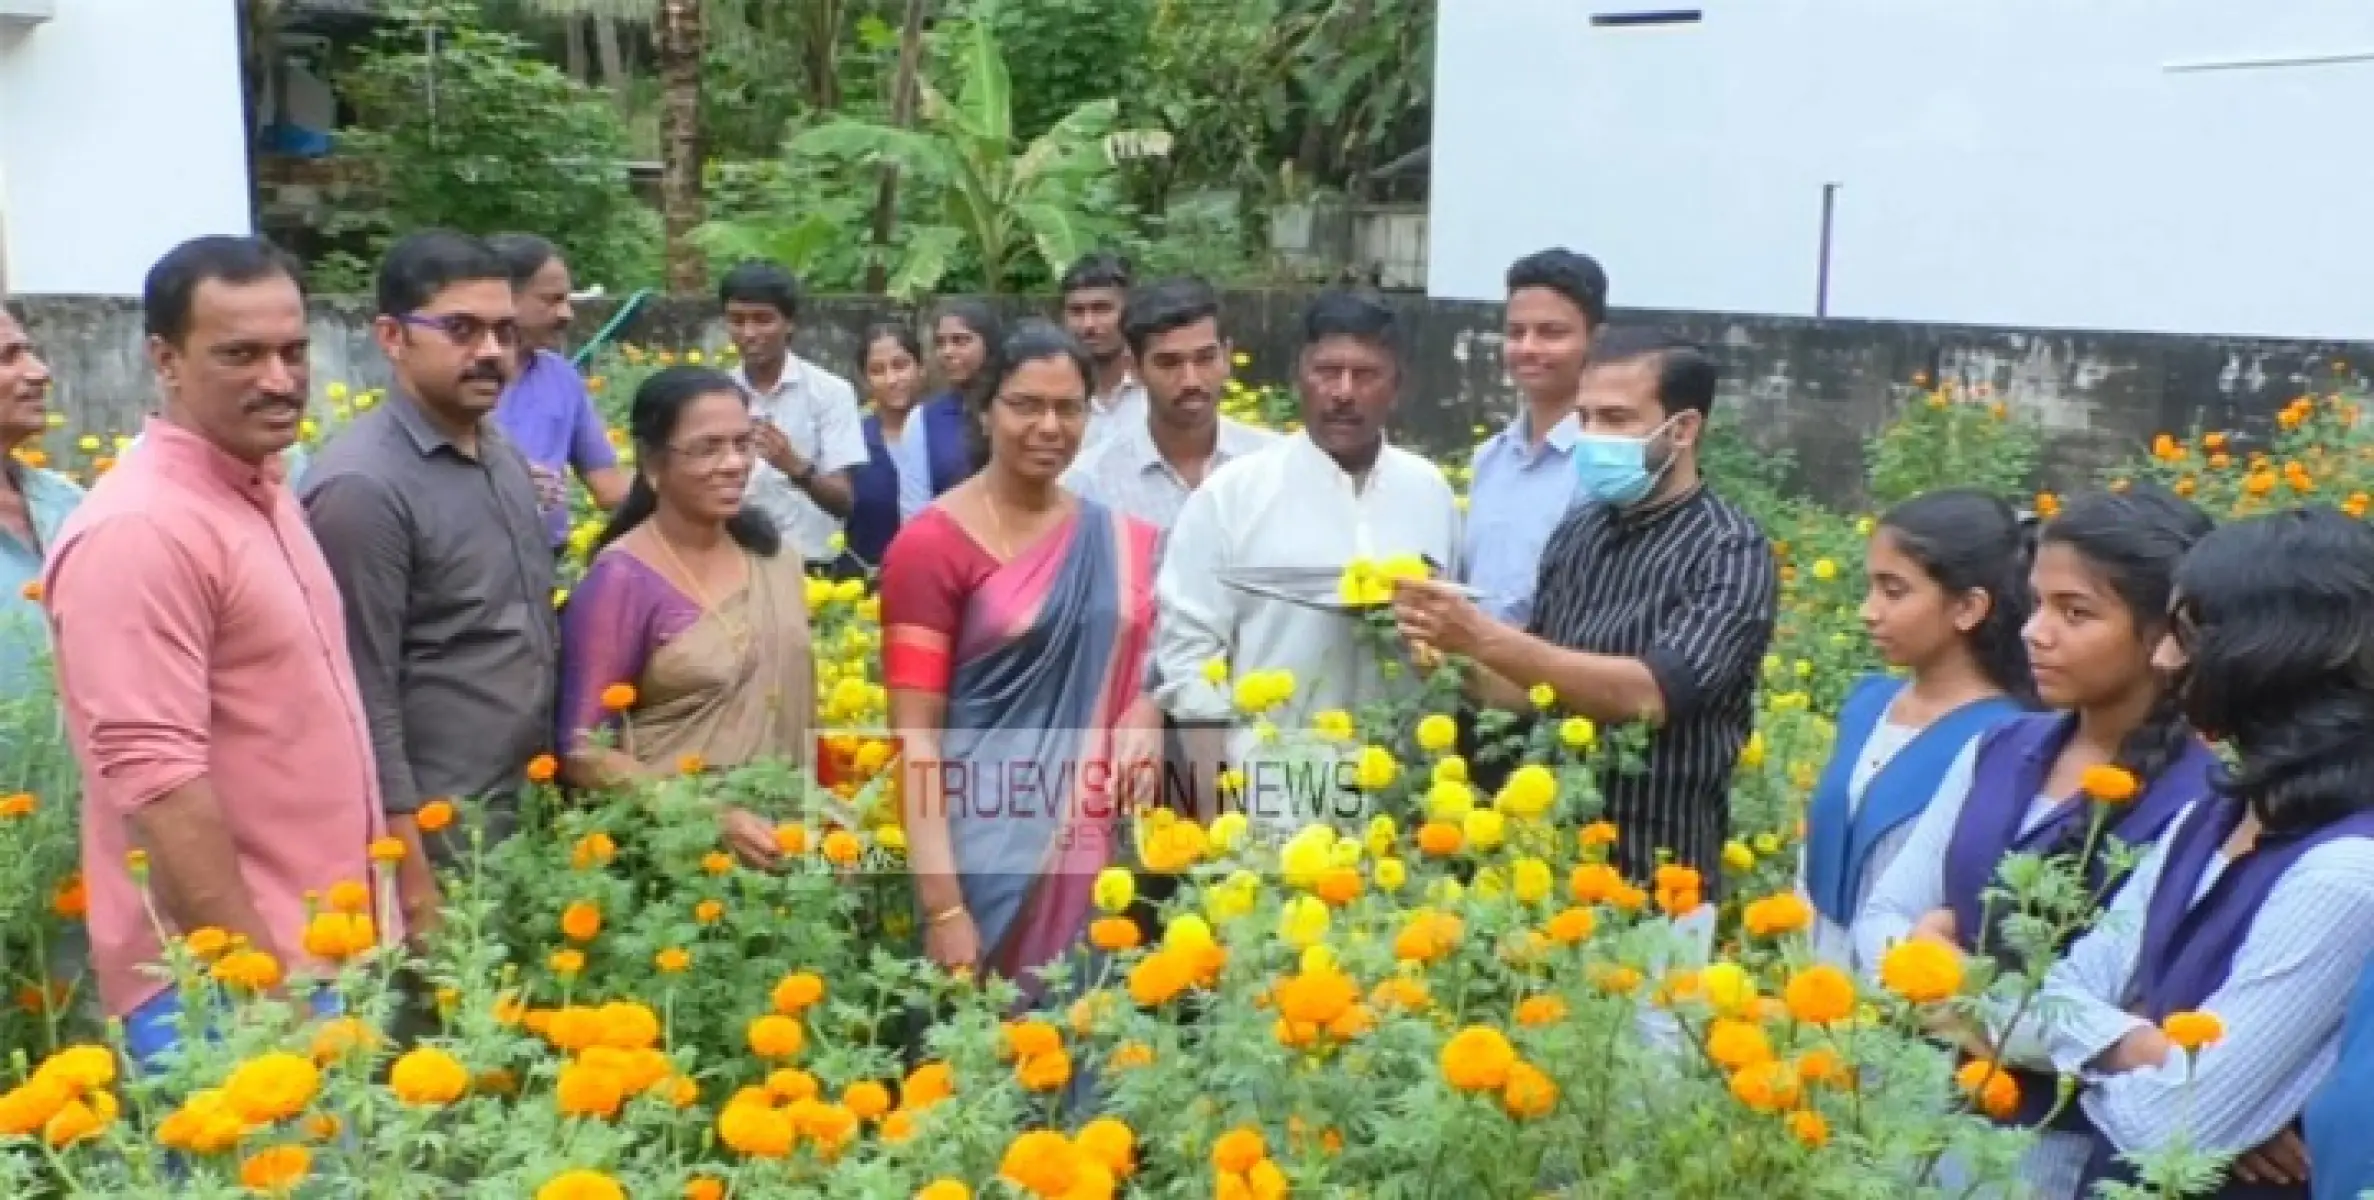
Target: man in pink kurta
x=202, y=662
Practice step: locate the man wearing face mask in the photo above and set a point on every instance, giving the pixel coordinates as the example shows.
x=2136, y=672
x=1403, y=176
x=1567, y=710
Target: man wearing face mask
x=1655, y=603
x=427, y=513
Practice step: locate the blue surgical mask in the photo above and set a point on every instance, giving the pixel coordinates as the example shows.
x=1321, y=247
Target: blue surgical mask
x=1614, y=469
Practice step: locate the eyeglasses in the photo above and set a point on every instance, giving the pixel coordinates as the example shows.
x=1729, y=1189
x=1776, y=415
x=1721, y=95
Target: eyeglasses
x=466, y=330
x=710, y=451
x=1032, y=408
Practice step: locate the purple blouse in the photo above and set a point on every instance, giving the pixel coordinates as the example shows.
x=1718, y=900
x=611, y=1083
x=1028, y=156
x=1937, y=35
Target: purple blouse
x=617, y=617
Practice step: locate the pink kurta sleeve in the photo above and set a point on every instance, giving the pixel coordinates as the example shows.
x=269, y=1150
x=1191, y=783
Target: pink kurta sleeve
x=133, y=612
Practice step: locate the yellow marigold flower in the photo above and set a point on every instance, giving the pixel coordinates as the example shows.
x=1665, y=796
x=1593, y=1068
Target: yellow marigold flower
x=1530, y=880
x=1921, y=971
x=1302, y=920
x=1737, y=857
x=1484, y=828
x=427, y=1077
x=581, y=1184
x=1437, y=733
x=1390, y=874
x=1529, y=792
x=2193, y=1030
x=1375, y=769
x=1728, y=987
x=586, y=1090
x=1478, y=1058
x=1578, y=733
x=944, y=1189
x=251, y=970
x=672, y=960
x=387, y=850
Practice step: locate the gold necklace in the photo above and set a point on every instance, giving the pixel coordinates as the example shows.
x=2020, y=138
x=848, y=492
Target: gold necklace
x=737, y=629
x=1005, y=545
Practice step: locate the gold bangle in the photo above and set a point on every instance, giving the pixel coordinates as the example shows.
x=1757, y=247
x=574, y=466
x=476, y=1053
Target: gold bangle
x=946, y=915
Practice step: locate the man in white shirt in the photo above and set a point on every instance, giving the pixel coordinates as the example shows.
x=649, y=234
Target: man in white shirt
x=1095, y=291
x=810, y=441
x=1314, y=499
x=1149, y=468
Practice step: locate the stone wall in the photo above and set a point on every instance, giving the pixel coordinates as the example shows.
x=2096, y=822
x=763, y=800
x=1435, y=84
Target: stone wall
x=1814, y=388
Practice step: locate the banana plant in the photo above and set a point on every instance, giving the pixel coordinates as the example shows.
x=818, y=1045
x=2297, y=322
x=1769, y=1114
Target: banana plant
x=1001, y=200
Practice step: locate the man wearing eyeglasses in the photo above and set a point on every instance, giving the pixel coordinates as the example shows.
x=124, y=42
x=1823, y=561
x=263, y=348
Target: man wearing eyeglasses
x=427, y=514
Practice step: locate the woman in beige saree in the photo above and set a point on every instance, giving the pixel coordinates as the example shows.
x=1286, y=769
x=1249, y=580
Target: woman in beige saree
x=685, y=647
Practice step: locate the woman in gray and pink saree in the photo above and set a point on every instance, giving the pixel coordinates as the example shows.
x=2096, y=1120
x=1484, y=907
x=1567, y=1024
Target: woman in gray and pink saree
x=1018, y=620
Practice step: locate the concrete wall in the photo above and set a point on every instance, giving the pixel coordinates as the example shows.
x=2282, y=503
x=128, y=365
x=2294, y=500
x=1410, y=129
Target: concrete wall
x=2170, y=165
x=121, y=134
x=1815, y=388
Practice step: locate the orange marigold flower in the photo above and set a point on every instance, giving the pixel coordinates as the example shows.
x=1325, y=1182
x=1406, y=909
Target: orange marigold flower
x=775, y=1036
x=1536, y=1011
x=387, y=850
x=349, y=896
x=1777, y=915
x=252, y=970
x=797, y=992
x=1438, y=839
x=708, y=912
x=542, y=768
x=1991, y=1089
x=1045, y=1072
x=841, y=848
x=618, y=697
x=927, y=1085
x=1735, y=1044
x=1766, y=1086
x=18, y=804
x=427, y=1077
x=690, y=764
x=1820, y=995
x=586, y=1090
x=1109, y=1141
x=1113, y=933
x=1570, y=926
x=1029, y=1039
x=866, y=1098
x=672, y=960
x=1823, y=1065
x=275, y=1170
x=1159, y=977
x=434, y=816
x=1807, y=1126
x=1478, y=1058
x=1238, y=1149
x=71, y=901
x=1528, y=1093
x=581, y=921
x=717, y=862
x=2193, y=1030
x=2109, y=784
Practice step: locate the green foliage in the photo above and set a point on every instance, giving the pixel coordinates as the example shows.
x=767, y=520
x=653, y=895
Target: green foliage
x=1946, y=435
x=1021, y=210
x=1070, y=52
x=461, y=127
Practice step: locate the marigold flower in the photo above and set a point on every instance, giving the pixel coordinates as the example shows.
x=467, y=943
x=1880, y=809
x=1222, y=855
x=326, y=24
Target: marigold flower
x=1728, y=987
x=2193, y=1030
x=1921, y=971
x=592, y=850
x=2108, y=784
x=1238, y=1149
x=340, y=1036
x=79, y=1120
x=543, y=768
x=272, y=1087
x=1536, y=1011
x=1477, y=1058
x=774, y=1036
x=1734, y=1044
x=672, y=960
x=1528, y=1093
x=868, y=1099
x=434, y=816
x=756, y=1130
x=18, y=804
x=1808, y=1127
x=1820, y=995
x=927, y=1085
x=250, y=970
x=585, y=1090
x=1158, y=978
x=708, y=912
x=581, y=921
x=1113, y=934
x=1114, y=889
x=1109, y=1141
x=581, y=1184
x=1437, y=733
x=428, y=1077
x=387, y=850
x=703, y=1187
x=618, y=697
x=1047, y=1072
x=1823, y=1065
x=338, y=936
x=841, y=848
x=1991, y=1088
x=944, y=1189
x=1766, y=1086
x=1777, y=915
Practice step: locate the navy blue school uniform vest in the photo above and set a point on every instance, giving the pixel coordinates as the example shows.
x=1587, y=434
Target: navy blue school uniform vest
x=2013, y=762
x=2188, y=948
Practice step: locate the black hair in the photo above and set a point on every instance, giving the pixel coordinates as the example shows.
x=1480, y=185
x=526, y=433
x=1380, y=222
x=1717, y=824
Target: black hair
x=171, y=289
x=1686, y=374
x=897, y=331
x=2135, y=539
x=1359, y=315
x=422, y=264
x=1578, y=277
x=1158, y=308
x=659, y=404
x=983, y=321
x=524, y=253
x=1965, y=539
x=2276, y=618
x=761, y=282
x=1096, y=269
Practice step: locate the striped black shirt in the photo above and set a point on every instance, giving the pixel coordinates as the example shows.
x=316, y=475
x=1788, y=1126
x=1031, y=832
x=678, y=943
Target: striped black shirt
x=1689, y=588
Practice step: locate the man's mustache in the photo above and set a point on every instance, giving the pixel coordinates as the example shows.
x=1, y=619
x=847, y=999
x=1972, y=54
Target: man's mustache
x=486, y=370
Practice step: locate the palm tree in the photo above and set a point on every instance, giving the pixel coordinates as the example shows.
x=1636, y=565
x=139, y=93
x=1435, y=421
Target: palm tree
x=678, y=39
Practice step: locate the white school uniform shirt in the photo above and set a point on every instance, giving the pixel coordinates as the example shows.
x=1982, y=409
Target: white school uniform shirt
x=1286, y=505
x=1115, y=413
x=817, y=412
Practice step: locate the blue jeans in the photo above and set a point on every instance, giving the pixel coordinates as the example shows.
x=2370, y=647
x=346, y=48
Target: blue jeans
x=155, y=1027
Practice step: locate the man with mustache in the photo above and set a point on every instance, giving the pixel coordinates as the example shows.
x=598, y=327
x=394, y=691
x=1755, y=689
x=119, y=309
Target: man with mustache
x=202, y=655
x=33, y=503
x=549, y=412
x=1149, y=468
x=428, y=515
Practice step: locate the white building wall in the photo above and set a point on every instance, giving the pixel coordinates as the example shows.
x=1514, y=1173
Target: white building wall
x=2012, y=162
x=121, y=134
